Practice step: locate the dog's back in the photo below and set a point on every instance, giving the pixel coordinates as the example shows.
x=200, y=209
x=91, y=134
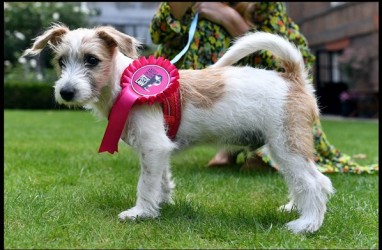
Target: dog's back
x=255, y=100
x=230, y=105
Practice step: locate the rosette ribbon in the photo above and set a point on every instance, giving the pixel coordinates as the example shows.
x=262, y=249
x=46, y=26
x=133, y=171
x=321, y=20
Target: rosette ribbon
x=146, y=80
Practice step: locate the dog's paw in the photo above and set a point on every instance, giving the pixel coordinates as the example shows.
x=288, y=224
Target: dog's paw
x=303, y=226
x=289, y=207
x=135, y=213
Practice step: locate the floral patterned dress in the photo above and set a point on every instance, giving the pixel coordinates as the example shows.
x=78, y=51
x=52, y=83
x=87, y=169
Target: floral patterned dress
x=211, y=41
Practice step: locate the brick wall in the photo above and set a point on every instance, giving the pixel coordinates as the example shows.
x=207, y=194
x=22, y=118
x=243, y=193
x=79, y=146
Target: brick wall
x=335, y=28
x=355, y=21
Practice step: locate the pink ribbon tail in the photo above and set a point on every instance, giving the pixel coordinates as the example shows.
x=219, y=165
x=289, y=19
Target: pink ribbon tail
x=117, y=120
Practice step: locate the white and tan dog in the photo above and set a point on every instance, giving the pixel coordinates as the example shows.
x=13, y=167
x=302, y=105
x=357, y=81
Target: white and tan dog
x=225, y=104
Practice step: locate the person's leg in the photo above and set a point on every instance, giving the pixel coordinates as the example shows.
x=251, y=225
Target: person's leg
x=256, y=161
x=223, y=158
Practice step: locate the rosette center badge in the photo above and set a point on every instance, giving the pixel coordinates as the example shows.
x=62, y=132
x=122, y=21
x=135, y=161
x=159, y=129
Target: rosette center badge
x=150, y=80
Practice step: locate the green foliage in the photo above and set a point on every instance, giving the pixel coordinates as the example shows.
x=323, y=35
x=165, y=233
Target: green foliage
x=22, y=74
x=29, y=95
x=23, y=21
x=24, y=90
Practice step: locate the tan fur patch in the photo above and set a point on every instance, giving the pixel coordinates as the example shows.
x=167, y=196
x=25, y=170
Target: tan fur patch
x=128, y=45
x=202, y=88
x=301, y=113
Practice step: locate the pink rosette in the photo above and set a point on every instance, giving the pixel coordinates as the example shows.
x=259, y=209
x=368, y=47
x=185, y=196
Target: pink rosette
x=143, y=81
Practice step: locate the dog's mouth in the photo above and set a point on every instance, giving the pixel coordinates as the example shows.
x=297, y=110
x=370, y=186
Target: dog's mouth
x=73, y=98
x=77, y=103
x=73, y=104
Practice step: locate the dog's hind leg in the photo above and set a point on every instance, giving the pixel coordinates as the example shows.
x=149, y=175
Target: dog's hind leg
x=309, y=189
x=154, y=148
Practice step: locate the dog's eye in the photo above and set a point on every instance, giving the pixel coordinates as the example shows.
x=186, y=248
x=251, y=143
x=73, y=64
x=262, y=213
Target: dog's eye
x=91, y=61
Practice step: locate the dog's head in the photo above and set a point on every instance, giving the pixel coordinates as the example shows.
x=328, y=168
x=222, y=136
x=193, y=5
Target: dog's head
x=84, y=59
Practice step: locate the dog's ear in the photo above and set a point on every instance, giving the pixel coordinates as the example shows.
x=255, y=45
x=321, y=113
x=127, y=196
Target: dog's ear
x=52, y=36
x=128, y=45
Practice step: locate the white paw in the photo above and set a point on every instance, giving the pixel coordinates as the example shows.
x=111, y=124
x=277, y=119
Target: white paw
x=287, y=207
x=135, y=213
x=303, y=226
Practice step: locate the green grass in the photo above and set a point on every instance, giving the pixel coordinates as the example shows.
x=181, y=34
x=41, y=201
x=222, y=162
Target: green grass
x=60, y=193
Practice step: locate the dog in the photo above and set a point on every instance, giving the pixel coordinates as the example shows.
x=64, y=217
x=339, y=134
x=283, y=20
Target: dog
x=224, y=104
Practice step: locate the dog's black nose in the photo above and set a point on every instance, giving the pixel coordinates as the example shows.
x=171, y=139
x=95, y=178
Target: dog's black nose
x=67, y=93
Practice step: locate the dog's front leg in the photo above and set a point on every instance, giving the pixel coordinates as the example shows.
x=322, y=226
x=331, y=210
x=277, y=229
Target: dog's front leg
x=154, y=163
x=154, y=185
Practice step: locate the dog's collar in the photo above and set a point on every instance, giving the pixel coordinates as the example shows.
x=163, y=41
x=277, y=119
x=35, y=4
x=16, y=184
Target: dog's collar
x=144, y=81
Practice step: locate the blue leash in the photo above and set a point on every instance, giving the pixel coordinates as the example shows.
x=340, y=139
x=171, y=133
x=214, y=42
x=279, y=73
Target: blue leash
x=191, y=33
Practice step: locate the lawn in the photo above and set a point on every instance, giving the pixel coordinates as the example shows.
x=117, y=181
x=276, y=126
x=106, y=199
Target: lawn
x=60, y=193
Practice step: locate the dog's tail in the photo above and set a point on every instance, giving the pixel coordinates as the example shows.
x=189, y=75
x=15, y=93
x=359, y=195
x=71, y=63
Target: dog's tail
x=291, y=58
